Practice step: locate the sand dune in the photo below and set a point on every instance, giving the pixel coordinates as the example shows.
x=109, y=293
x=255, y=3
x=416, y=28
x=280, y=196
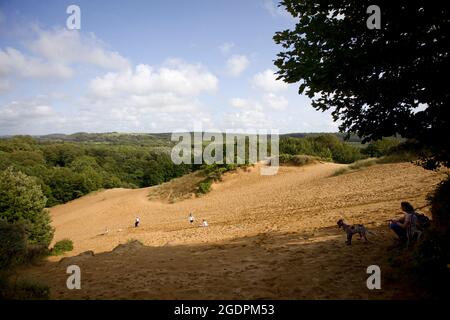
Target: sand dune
x=269, y=237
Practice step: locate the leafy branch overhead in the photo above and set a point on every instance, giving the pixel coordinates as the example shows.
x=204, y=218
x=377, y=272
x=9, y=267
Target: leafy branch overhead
x=377, y=83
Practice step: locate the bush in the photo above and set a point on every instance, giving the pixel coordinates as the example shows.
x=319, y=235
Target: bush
x=13, y=244
x=297, y=160
x=61, y=247
x=205, y=186
x=381, y=147
x=22, y=201
x=23, y=290
x=433, y=252
x=327, y=147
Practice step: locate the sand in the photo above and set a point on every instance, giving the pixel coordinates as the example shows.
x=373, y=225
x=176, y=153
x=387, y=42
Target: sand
x=269, y=237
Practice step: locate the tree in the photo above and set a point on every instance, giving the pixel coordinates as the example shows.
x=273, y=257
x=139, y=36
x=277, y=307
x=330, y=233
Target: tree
x=381, y=147
x=378, y=82
x=22, y=201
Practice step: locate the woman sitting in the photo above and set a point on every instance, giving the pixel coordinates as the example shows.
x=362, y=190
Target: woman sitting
x=405, y=227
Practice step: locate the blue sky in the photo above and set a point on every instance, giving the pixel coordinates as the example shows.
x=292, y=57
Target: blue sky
x=146, y=66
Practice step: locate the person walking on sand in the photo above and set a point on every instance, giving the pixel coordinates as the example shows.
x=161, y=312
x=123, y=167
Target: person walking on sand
x=136, y=222
x=191, y=218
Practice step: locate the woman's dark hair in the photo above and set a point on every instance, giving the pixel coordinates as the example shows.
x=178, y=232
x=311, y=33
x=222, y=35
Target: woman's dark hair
x=407, y=206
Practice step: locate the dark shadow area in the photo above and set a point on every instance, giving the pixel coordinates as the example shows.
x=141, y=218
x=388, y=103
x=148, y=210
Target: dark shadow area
x=314, y=265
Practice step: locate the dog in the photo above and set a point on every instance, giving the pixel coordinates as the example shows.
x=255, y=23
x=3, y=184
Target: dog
x=353, y=229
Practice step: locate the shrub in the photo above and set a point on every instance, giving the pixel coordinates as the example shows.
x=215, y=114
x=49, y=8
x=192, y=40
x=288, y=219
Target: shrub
x=205, y=186
x=61, y=247
x=297, y=160
x=301, y=160
x=13, y=244
x=22, y=200
x=433, y=252
x=22, y=290
x=381, y=147
x=285, y=158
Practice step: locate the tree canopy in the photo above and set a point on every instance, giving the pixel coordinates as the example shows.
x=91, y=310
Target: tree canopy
x=377, y=82
x=22, y=201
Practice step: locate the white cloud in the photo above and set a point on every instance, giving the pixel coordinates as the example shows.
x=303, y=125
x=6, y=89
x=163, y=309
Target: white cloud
x=23, y=115
x=236, y=64
x=267, y=81
x=4, y=85
x=247, y=104
x=53, y=55
x=275, y=102
x=14, y=63
x=255, y=114
x=171, y=82
x=152, y=98
x=246, y=119
x=226, y=47
x=70, y=46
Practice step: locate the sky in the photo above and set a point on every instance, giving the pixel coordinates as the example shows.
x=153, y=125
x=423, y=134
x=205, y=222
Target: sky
x=147, y=66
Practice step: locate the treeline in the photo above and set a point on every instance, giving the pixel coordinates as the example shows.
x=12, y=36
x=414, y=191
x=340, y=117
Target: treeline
x=329, y=147
x=68, y=170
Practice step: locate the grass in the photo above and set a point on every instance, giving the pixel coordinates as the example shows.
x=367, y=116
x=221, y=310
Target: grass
x=341, y=171
x=393, y=158
x=297, y=160
x=363, y=163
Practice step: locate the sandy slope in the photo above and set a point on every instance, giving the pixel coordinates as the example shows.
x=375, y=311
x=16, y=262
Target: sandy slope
x=269, y=237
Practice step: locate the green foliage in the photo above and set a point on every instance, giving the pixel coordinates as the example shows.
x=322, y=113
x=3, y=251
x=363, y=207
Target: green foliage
x=325, y=146
x=22, y=200
x=61, y=247
x=13, y=244
x=22, y=290
x=205, y=186
x=381, y=147
x=377, y=83
x=68, y=167
x=433, y=251
x=297, y=160
x=363, y=164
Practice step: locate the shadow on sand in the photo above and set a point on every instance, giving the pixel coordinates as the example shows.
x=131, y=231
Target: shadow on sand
x=315, y=265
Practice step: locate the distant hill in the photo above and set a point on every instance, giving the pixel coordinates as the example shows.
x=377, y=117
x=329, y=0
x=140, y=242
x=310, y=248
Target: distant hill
x=153, y=139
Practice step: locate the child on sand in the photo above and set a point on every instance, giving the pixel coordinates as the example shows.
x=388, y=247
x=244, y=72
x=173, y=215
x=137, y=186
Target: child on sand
x=204, y=223
x=136, y=222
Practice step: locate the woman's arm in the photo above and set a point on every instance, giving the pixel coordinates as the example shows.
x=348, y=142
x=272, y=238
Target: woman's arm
x=406, y=221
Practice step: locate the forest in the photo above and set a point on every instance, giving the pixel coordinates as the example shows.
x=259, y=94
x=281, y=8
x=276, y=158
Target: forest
x=70, y=166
